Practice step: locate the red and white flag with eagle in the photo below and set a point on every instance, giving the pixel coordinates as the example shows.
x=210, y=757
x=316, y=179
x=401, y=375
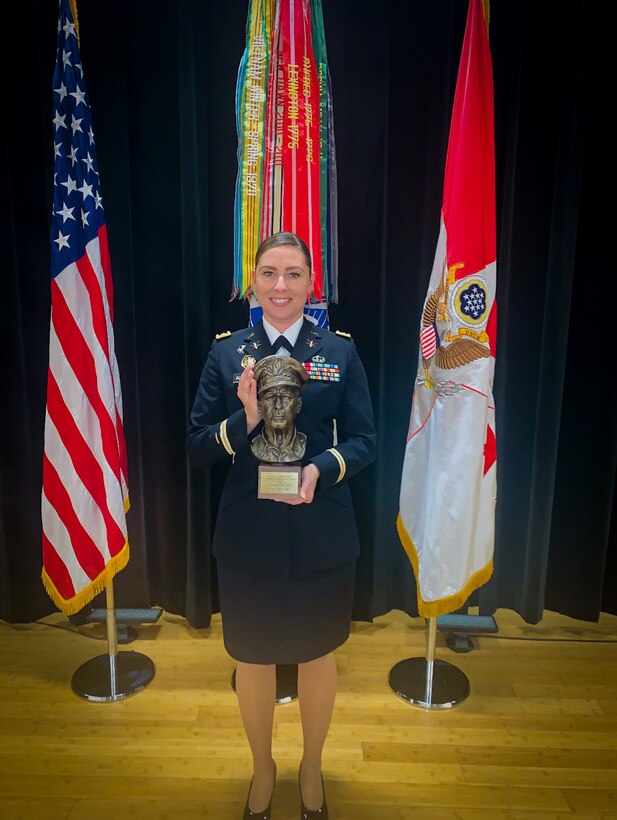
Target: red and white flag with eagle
x=446, y=519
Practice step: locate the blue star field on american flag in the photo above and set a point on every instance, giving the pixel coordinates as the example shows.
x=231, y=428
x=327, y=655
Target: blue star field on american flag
x=78, y=206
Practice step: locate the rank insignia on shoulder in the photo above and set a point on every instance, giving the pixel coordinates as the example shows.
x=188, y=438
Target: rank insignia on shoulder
x=223, y=335
x=343, y=334
x=320, y=371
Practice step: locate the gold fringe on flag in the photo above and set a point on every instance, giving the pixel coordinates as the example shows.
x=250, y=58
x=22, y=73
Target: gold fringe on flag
x=72, y=605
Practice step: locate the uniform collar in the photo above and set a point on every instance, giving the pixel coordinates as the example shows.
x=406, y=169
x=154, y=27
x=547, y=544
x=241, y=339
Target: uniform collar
x=308, y=343
x=257, y=344
x=291, y=334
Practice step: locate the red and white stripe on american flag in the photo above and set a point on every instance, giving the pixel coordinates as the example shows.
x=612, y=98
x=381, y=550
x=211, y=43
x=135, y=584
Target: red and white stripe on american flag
x=84, y=470
x=428, y=341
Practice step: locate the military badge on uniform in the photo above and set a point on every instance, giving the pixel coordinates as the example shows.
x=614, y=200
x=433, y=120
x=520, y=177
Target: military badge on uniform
x=248, y=361
x=318, y=359
x=320, y=371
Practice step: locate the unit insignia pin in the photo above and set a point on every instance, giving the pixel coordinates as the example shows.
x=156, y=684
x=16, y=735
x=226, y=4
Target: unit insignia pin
x=311, y=342
x=241, y=348
x=255, y=345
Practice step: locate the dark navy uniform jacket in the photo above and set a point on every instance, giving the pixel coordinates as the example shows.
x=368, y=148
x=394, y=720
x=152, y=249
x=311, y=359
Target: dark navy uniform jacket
x=271, y=537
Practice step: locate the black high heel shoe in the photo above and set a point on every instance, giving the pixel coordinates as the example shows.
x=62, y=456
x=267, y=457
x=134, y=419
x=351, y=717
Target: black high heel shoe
x=313, y=814
x=265, y=813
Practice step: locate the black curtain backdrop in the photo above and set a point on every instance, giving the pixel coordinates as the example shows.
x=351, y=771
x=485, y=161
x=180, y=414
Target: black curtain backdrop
x=161, y=78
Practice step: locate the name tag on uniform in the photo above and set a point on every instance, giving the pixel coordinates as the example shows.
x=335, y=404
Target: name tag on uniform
x=322, y=371
x=236, y=378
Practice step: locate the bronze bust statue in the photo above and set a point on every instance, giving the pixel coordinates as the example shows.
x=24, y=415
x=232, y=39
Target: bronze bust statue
x=280, y=381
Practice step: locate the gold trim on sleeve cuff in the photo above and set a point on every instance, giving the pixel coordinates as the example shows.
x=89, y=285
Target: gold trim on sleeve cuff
x=341, y=463
x=225, y=438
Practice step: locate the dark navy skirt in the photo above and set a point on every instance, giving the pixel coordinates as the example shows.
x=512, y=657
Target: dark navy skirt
x=270, y=619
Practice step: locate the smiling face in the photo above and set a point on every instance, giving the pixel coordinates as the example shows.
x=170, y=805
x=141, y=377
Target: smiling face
x=282, y=282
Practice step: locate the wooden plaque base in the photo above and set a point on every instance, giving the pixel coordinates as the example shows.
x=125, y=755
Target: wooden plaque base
x=279, y=482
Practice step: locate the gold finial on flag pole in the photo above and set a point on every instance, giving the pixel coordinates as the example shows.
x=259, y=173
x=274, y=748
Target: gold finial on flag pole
x=73, y=5
x=486, y=8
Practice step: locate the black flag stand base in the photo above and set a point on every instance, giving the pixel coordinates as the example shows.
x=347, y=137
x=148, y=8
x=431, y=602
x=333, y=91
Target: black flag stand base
x=116, y=675
x=429, y=683
x=286, y=682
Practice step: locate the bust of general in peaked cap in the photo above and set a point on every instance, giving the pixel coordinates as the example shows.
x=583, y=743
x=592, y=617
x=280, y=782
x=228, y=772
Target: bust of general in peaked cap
x=280, y=381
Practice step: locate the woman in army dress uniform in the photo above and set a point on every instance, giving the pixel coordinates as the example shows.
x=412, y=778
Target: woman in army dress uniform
x=286, y=569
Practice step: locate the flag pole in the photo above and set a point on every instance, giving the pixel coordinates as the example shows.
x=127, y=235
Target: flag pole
x=431, y=638
x=112, y=636
x=116, y=675
x=427, y=682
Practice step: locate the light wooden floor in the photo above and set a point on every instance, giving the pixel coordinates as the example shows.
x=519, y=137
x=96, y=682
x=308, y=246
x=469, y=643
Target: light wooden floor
x=535, y=740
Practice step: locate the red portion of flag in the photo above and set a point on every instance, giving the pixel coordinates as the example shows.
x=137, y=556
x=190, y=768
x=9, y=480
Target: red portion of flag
x=490, y=449
x=469, y=183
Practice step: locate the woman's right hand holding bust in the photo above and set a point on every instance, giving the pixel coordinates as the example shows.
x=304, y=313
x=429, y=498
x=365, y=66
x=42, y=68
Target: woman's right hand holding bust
x=247, y=393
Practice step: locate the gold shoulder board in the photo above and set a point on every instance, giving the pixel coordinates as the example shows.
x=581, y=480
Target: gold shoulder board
x=343, y=334
x=224, y=335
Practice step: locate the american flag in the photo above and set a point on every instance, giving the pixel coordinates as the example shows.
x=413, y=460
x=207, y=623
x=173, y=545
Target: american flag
x=85, y=493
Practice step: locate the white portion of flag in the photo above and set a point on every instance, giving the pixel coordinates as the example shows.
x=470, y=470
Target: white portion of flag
x=447, y=499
